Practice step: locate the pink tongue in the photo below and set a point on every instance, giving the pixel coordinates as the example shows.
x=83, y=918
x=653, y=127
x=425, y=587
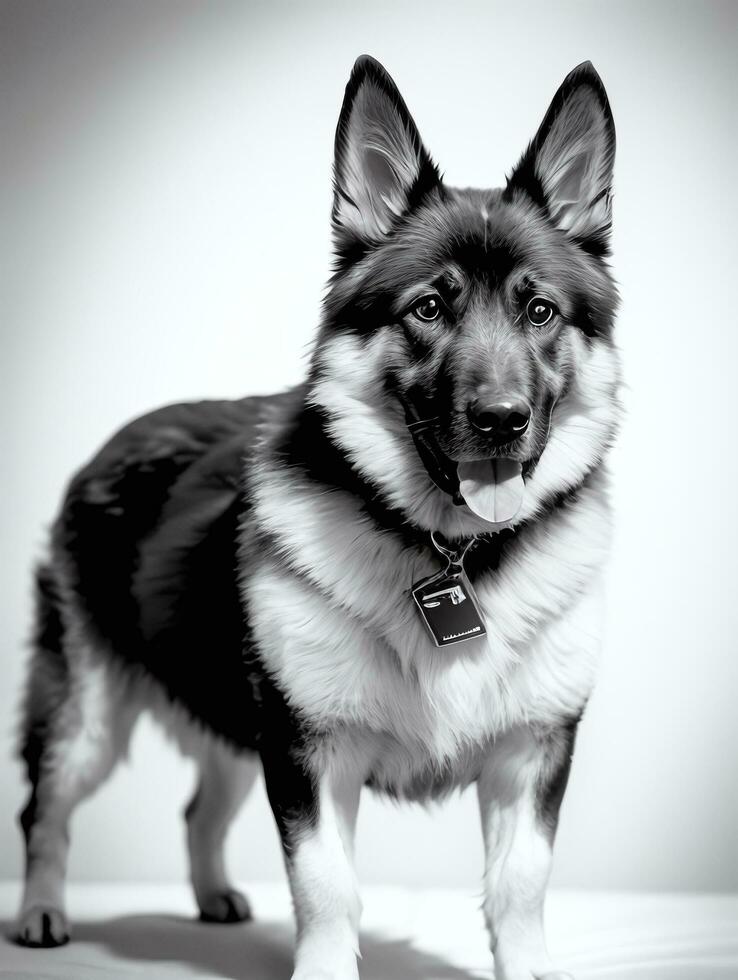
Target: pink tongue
x=492, y=488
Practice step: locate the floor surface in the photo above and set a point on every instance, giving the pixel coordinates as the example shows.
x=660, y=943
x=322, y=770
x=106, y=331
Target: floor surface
x=149, y=931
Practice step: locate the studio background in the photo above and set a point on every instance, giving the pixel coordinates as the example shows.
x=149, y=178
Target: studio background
x=165, y=221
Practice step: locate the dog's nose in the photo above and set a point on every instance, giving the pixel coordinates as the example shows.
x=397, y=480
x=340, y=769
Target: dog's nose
x=501, y=421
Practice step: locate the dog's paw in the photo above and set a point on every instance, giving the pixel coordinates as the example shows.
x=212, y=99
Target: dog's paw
x=227, y=906
x=42, y=927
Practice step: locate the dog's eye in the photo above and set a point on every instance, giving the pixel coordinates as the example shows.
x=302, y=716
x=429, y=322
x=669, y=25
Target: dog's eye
x=539, y=311
x=428, y=308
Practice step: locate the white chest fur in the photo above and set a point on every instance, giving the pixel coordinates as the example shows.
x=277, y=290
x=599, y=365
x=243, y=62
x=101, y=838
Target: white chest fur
x=339, y=632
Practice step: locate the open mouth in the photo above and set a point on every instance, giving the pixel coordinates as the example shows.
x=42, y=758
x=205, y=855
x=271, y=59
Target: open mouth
x=492, y=488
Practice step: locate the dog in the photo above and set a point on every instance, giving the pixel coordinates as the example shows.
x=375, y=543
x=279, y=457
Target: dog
x=389, y=576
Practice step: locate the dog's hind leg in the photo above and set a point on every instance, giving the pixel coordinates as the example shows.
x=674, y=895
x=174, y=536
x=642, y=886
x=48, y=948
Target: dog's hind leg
x=224, y=782
x=76, y=723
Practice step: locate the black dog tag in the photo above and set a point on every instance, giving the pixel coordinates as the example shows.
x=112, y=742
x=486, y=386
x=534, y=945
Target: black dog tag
x=447, y=603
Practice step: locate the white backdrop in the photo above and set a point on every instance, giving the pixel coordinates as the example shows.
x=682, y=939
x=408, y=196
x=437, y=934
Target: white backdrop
x=165, y=202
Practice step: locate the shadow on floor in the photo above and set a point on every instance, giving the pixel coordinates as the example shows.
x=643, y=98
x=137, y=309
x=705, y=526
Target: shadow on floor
x=252, y=951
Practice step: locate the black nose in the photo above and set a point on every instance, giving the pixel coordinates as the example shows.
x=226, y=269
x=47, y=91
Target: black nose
x=502, y=421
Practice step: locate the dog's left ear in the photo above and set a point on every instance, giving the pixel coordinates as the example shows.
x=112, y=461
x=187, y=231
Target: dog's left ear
x=381, y=167
x=567, y=169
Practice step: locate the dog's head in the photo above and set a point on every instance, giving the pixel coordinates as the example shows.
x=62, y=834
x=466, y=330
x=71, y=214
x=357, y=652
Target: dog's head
x=486, y=314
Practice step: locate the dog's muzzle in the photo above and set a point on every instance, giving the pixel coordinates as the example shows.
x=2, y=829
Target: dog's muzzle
x=492, y=488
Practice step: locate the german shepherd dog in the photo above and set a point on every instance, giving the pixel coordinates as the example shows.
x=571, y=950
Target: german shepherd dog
x=389, y=576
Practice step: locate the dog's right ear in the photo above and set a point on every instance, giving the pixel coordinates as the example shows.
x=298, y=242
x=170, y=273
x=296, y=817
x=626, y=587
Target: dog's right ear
x=567, y=169
x=381, y=167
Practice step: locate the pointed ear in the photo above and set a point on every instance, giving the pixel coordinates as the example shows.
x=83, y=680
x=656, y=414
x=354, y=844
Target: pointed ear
x=381, y=168
x=568, y=167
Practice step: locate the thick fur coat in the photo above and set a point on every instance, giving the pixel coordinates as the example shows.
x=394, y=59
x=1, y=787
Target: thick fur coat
x=245, y=569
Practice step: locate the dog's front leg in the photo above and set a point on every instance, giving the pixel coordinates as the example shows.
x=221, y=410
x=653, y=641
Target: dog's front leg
x=520, y=790
x=315, y=807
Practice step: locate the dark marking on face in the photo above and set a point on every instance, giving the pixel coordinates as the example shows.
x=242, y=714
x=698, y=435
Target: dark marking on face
x=590, y=318
x=489, y=262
